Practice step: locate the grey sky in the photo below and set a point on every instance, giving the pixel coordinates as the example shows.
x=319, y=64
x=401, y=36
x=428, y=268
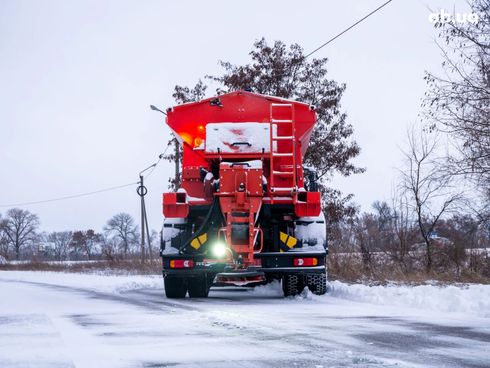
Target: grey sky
x=77, y=77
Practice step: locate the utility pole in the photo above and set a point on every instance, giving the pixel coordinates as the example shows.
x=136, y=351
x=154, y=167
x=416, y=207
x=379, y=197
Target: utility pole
x=177, y=163
x=142, y=190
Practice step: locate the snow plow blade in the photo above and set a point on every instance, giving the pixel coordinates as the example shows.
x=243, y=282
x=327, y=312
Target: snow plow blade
x=240, y=278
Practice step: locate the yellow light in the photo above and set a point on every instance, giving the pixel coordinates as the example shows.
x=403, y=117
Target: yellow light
x=198, y=141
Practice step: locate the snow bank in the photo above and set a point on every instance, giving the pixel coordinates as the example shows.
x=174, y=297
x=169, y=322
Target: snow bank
x=96, y=282
x=468, y=299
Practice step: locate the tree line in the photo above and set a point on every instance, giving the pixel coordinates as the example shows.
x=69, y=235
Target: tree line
x=439, y=216
x=22, y=239
x=442, y=186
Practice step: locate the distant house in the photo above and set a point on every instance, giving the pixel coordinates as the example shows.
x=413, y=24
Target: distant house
x=438, y=242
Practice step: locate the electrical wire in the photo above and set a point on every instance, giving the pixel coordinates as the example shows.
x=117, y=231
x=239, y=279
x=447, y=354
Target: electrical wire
x=69, y=197
x=160, y=157
x=163, y=154
x=297, y=62
x=347, y=29
x=87, y=193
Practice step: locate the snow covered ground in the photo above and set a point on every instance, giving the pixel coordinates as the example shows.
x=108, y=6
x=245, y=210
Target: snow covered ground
x=80, y=320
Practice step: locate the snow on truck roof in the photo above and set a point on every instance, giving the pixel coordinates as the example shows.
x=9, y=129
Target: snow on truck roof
x=188, y=121
x=242, y=92
x=246, y=137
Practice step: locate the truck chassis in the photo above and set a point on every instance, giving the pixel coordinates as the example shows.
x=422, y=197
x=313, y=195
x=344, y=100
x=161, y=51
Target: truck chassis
x=247, y=212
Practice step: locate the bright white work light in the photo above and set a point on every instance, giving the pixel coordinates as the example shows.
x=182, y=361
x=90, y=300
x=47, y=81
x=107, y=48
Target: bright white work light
x=219, y=249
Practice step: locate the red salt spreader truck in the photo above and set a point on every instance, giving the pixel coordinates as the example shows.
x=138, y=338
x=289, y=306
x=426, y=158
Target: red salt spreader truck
x=247, y=212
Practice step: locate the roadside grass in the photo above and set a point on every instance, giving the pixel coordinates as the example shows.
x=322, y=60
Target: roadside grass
x=119, y=267
x=380, y=269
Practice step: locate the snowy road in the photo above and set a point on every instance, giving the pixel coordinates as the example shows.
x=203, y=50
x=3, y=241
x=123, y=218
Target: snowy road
x=66, y=320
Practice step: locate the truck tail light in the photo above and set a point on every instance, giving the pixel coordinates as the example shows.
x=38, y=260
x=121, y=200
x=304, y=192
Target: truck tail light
x=181, y=263
x=305, y=262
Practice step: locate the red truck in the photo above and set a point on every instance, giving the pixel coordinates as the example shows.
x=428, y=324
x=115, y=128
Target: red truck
x=247, y=211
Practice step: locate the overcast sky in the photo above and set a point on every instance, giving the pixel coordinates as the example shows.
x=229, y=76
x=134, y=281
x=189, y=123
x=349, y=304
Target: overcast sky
x=77, y=77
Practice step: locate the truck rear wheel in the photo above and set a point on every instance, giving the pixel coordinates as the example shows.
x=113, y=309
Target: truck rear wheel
x=292, y=284
x=317, y=283
x=198, y=287
x=175, y=287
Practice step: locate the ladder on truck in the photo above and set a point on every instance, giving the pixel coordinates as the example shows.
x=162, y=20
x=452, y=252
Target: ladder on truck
x=282, y=178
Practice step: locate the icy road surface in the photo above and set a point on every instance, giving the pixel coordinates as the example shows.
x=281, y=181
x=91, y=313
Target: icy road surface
x=72, y=320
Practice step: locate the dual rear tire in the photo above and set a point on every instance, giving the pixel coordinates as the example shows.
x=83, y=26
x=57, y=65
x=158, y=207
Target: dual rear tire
x=198, y=287
x=177, y=287
x=293, y=284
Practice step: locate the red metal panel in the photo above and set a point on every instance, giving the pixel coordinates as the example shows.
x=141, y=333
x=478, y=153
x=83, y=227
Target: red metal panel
x=189, y=120
x=240, y=199
x=174, y=205
x=308, y=204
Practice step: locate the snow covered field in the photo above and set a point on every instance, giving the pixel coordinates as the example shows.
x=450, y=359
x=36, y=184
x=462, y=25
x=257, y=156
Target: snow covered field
x=80, y=320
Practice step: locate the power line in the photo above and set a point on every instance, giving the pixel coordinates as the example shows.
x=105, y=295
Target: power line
x=88, y=193
x=163, y=154
x=296, y=64
x=70, y=196
x=160, y=157
x=348, y=29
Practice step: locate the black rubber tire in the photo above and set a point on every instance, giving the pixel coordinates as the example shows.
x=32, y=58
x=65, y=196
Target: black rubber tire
x=317, y=283
x=175, y=287
x=198, y=287
x=292, y=284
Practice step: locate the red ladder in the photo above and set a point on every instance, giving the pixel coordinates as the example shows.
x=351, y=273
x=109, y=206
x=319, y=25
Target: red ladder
x=282, y=149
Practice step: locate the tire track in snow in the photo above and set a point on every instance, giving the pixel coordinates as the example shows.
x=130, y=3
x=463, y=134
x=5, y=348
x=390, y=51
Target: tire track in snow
x=316, y=344
x=119, y=297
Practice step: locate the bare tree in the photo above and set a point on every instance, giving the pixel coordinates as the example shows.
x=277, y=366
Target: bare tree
x=154, y=239
x=404, y=231
x=426, y=187
x=458, y=101
x=60, y=242
x=91, y=242
x=85, y=242
x=109, y=248
x=122, y=226
x=4, y=243
x=367, y=235
x=20, y=228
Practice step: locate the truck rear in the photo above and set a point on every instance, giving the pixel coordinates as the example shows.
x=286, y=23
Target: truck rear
x=247, y=211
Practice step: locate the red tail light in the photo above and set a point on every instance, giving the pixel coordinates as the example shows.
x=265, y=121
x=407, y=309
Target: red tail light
x=181, y=263
x=305, y=262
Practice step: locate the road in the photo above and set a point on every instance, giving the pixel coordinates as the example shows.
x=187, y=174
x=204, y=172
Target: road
x=50, y=324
